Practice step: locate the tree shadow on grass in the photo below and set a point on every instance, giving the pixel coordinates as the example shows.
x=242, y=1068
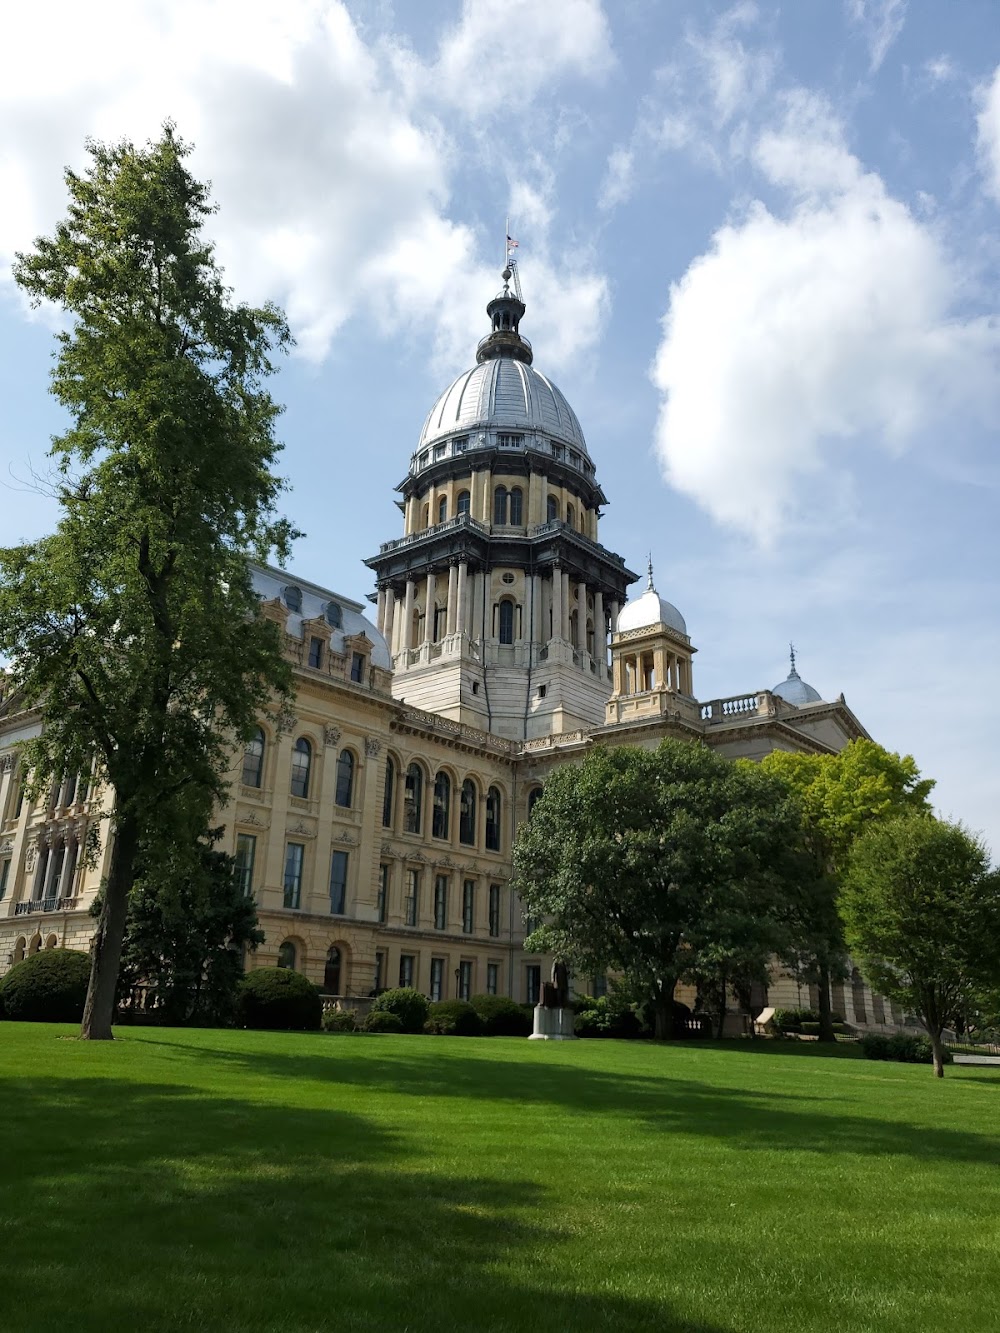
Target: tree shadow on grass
x=161, y=1207
x=747, y=1118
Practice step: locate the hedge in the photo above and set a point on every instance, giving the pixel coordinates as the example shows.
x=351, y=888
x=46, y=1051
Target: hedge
x=382, y=1020
x=501, y=1016
x=48, y=987
x=409, y=1006
x=911, y=1048
x=340, y=1020
x=279, y=997
x=453, y=1018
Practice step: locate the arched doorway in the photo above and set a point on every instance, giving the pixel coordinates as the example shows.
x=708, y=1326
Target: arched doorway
x=332, y=971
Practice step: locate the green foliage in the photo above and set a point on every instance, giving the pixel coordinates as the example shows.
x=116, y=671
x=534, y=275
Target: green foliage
x=340, y=1020
x=48, y=987
x=185, y=936
x=911, y=1048
x=501, y=1016
x=605, y=1018
x=381, y=1020
x=659, y=864
x=791, y=1020
x=278, y=997
x=453, y=1018
x=134, y=628
x=410, y=1007
x=922, y=914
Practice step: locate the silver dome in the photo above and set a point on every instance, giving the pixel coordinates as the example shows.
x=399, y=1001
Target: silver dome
x=502, y=394
x=795, y=691
x=650, y=609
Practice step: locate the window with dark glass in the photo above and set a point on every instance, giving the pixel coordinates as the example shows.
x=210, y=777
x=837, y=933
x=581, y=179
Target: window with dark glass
x=286, y=954
x=411, y=906
x=413, y=795
x=493, y=820
x=334, y=615
x=494, y=910
x=442, y=508
x=570, y=515
x=441, y=814
x=492, y=978
x=389, y=793
x=406, y=969
x=467, y=814
x=301, y=763
x=463, y=504
x=551, y=508
x=383, y=892
x=358, y=668
x=441, y=902
x=379, y=972
x=516, y=507
x=294, y=856
x=331, y=972
x=500, y=506
x=246, y=851
x=293, y=599
x=510, y=441
x=338, y=882
x=315, y=652
x=4, y=877
x=345, y=779
x=558, y=450
x=437, y=980
x=468, y=906
x=505, y=619
x=253, y=760
x=532, y=983
x=599, y=986
x=464, y=979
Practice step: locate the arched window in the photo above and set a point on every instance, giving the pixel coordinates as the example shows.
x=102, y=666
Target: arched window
x=493, y=820
x=331, y=973
x=427, y=516
x=506, y=621
x=441, y=816
x=442, y=508
x=19, y=948
x=51, y=941
x=286, y=954
x=334, y=615
x=570, y=515
x=293, y=598
x=500, y=506
x=253, y=760
x=551, y=509
x=467, y=814
x=301, y=763
x=464, y=502
x=345, y=779
x=533, y=796
x=516, y=507
x=413, y=797
x=390, y=792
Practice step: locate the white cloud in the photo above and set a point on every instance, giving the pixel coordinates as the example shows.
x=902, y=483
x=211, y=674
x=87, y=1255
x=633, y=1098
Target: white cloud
x=988, y=126
x=881, y=22
x=334, y=178
x=796, y=336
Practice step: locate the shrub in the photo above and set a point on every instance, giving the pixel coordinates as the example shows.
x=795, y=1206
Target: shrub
x=906, y=1047
x=501, y=1016
x=409, y=1006
x=791, y=1020
x=381, y=1020
x=603, y=1018
x=48, y=987
x=340, y=1020
x=453, y=1018
x=278, y=997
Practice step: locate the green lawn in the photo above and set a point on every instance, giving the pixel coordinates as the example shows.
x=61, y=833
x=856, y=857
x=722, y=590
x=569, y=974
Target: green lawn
x=251, y=1181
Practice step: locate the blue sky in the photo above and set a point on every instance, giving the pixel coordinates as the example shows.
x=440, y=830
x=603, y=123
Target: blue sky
x=759, y=248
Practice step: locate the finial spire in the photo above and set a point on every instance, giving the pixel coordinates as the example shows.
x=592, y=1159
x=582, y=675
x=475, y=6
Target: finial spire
x=791, y=654
x=649, y=569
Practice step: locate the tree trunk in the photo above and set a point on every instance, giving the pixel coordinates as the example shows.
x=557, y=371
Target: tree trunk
x=826, y=1032
x=937, y=1046
x=722, y=1010
x=663, y=1011
x=99, y=1009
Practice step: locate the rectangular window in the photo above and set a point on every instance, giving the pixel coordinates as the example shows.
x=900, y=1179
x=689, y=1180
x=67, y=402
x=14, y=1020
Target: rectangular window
x=294, y=856
x=468, y=906
x=358, y=667
x=460, y=445
x=532, y=983
x=437, y=979
x=439, y=451
x=495, y=910
x=599, y=986
x=406, y=969
x=464, y=979
x=338, y=883
x=441, y=902
x=492, y=978
x=510, y=441
x=383, y=893
x=412, y=895
x=4, y=877
x=315, y=652
x=246, y=851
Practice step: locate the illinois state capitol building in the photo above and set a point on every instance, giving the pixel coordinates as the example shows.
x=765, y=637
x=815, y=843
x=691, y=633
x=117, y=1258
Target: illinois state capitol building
x=373, y=824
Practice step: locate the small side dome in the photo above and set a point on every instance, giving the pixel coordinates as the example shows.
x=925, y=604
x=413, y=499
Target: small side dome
x=794, y=690
x=650, y=609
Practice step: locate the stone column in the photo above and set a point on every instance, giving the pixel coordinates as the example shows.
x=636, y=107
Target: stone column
x=581, y=617
x=430, y=593
x=462, y=598
x=614, y=617
x=600, y=630
x=564, y=627
x=406, y=639
x=535, y=630
x=380, y=614
x=389, y=616
x=452, y=614
x=68, y=868
x=557, y=601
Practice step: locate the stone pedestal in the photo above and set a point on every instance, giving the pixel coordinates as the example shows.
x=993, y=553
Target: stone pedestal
x=553, y=1024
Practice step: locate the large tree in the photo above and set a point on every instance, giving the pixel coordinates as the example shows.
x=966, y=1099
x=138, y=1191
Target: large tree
x=134, y=626
x=659, y=864
x=838, y=795
x=922, y=914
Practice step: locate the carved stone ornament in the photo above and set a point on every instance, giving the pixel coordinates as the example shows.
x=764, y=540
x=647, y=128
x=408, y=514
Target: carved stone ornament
x=346, y=837
x=6, y=848
x=286, y=722
x=7, y=763
x=372, y=746
x=386, y=849
x=301, y=831
x=29, y=858
x=331, y=736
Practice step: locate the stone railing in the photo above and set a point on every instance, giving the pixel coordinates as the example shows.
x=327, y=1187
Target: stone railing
x=435, y=530
x=760, y=704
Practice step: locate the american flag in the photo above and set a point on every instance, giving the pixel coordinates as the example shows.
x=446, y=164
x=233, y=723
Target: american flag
x=511, y=244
